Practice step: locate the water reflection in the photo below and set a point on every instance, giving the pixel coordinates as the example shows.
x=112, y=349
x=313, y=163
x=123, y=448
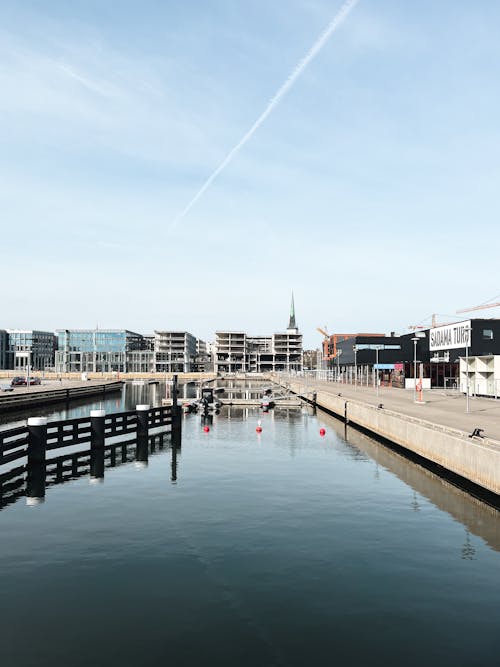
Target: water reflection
x=130, y=396
x=32, y=479
x=478, y=517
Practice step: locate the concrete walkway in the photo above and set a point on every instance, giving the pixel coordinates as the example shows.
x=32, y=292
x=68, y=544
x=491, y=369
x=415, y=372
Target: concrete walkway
x=438, y=407
x=49, y=385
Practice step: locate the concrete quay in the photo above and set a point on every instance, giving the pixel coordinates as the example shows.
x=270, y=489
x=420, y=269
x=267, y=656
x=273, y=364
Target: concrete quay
x=6, y=375
x=55, y=392
x=437, y=430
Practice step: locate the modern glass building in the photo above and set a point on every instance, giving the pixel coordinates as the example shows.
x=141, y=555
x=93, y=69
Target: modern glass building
x=29, y=347
x=97, y=350
x=3, y=348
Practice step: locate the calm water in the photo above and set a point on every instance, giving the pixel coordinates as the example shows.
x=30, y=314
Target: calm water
x=283, y=548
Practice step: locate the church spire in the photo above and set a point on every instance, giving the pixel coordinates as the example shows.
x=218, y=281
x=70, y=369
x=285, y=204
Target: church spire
x=292, y=324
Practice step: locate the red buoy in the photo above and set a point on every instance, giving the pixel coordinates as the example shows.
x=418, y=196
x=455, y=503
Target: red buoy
x=259, y=429
x=322, y=431
x=206, y=429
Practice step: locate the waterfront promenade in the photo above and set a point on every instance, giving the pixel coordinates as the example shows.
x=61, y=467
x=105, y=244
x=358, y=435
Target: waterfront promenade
x=440, y=407
x=437, y=430
x=22, y=398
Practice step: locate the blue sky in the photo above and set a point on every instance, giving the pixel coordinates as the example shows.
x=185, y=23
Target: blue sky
x=371, y=190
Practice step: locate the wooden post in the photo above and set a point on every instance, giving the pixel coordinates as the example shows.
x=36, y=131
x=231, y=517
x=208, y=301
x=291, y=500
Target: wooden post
x=37, y=440
x=141, y=453
x=97, y=419
x=97, y=439
x=37, y=453
x=176, y=417
x=174, y=392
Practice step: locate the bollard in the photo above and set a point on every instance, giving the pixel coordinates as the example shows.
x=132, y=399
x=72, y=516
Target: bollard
x=37, y=450
x=141, y=453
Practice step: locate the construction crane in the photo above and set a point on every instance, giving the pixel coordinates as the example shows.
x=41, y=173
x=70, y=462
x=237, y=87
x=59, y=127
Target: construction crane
x=434, y=323
x=485, y=305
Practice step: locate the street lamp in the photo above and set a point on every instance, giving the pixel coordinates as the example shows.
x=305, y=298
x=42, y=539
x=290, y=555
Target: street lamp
x=468, y=330
x=355, y=348
x=415, y=341
x=375, y=375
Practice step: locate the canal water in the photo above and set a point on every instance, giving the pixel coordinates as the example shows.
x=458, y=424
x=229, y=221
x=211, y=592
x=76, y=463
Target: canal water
x=279, y=548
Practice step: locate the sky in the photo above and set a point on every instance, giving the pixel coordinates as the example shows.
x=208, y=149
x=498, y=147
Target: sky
x=370, y=190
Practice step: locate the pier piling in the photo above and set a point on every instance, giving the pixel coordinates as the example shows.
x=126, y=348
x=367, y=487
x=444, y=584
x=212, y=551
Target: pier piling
x=176, y=416
x=142, y=434
x=97, y=418
x=97, y=437
x=37, y=453
x=37, y=440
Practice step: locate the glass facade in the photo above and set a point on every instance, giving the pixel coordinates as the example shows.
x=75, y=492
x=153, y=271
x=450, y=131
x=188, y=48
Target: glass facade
x=96, y=350
x=30, y=347
x=3, y=348
x=105, y=340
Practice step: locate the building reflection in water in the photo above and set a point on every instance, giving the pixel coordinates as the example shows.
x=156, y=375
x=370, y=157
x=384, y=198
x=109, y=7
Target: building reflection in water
x=477, y=517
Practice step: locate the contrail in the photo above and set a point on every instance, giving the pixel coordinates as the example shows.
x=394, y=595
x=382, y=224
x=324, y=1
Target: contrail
x=275, y=100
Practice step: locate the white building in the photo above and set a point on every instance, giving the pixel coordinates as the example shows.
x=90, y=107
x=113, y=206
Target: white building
x=483, y=375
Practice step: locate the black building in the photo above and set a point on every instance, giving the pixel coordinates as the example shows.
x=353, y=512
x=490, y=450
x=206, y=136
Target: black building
x=438, y=350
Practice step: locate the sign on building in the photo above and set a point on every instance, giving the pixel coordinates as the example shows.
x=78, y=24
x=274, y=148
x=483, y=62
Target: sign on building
x=450, y=336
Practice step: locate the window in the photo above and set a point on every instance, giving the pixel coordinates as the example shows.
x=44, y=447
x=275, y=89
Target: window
x=487, y=334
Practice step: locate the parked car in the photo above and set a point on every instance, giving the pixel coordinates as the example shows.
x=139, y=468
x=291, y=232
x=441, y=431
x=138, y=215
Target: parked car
x=6, y=387
x=18, y=381
x=35, y=380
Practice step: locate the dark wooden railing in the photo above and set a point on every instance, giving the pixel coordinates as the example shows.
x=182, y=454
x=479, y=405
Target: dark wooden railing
x=68, y=467
x=102, y=436
x=69, y=432
x=13, y=444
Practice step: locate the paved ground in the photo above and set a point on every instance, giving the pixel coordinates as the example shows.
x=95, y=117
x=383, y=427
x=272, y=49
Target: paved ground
x=48, y=385
x=439, y=407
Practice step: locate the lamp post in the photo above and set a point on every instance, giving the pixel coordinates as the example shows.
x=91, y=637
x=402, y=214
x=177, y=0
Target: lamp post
x=468, y=330
x=415, y=341
x=355, y=348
